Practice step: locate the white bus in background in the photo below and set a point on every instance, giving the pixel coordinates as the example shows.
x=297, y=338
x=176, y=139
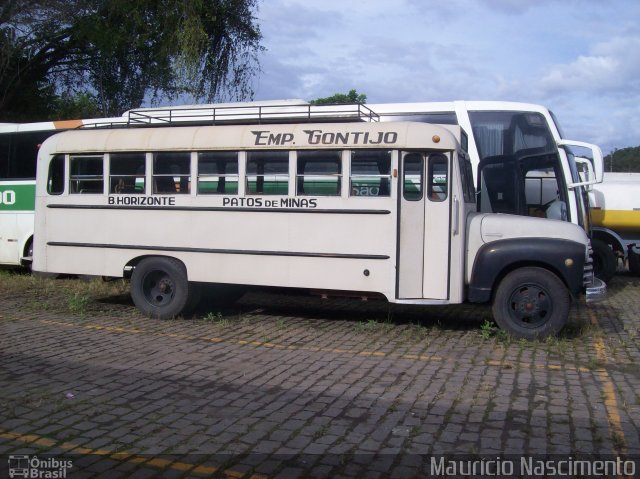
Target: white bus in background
x=382, y=209
x=526, y=165
x=19, y=143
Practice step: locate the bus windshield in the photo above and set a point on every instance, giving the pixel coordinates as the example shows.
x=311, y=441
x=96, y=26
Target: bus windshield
x=519, y=170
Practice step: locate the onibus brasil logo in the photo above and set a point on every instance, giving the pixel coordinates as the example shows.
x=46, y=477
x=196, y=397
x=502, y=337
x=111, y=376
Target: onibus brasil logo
x=38, y=468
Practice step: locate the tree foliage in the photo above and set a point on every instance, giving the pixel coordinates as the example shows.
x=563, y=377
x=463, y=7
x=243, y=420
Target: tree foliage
x=352, y=97
x=623, y=160
x=123, y=52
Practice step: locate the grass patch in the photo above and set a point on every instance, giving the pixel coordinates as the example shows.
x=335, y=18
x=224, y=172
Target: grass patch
x=618, y=440
x=374, y=326
x=78, y=303
x=217, y=319
x=487, y=329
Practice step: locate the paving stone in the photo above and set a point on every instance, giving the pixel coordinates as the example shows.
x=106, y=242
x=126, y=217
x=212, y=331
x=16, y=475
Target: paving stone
x=327, y=398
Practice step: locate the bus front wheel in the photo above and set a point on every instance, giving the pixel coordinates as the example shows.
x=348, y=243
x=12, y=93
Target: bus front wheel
x=159, y=287
x=531, y=303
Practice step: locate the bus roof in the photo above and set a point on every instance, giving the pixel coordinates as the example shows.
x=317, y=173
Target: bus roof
x=406, y=135
x=56, y=125
x=451, y=106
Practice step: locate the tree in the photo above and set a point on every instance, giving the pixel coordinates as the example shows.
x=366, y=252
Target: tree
x=123, y=53
x=338, y=98
x=623, y=160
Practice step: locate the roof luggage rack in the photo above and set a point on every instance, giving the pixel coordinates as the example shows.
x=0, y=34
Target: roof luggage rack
x=241, y=113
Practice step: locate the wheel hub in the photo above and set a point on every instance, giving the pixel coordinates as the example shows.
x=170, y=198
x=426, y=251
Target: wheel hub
x=164, y=285
x=530, y=305
x=158, y=288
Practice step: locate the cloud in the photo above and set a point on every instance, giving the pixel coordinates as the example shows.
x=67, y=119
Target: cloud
x=513, y=6
x=579, y=57
x=611, y=68
x=516, y=7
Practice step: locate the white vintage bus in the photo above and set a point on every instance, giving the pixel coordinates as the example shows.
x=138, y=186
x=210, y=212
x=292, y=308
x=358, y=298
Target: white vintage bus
x=525, y=164
x=385, y=209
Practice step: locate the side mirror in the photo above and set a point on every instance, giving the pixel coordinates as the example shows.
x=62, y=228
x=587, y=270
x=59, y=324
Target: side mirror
x=589, y=173
x=596, y=154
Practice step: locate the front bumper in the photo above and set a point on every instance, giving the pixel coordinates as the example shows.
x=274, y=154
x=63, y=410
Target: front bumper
x=596, y=291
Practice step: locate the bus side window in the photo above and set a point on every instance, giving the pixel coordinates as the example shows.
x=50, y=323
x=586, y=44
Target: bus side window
x=127, y=173
x=23, y=153
x=438, y=185
x=218, y=173
x=370, y=173
x=55, y=181
x=86, y=175
x=172, y=173
x=5, y=154
x=267, y=173
x=319, y=172
x=413, y=177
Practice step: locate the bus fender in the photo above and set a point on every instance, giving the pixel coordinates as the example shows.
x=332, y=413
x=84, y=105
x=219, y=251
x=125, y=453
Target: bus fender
x=565, y=258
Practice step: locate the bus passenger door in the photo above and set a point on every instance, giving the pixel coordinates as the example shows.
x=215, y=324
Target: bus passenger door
x=424, y=244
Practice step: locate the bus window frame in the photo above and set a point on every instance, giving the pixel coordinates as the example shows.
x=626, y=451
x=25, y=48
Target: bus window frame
x=420, y=173
x=259, y=188
x=135, y=176
x=438, y=192
x=62, y=178
x=300, y=177
x=177, y=186
x=359, y=177
x=86, y=178
x=226, y=176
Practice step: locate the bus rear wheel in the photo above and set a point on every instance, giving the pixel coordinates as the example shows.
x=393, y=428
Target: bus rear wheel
x=531, y=303
x=159, y=287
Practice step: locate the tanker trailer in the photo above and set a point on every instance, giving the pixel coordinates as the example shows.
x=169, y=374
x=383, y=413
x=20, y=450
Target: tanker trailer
x=615, y=214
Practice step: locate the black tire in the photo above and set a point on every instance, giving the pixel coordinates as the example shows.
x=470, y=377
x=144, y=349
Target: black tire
x=159, y=287
x=28, y=252
x=634, y=262
x=604, y=260
x=531, y=303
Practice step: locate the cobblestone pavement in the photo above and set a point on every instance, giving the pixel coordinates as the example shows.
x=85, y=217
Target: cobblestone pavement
x=289, y=386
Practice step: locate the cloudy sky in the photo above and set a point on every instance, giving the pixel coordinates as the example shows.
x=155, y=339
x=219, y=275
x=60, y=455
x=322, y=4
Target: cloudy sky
x=580, y=58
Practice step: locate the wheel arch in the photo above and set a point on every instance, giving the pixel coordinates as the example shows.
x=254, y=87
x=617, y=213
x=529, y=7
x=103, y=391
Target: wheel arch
x=25, y=246
x=611, y=238
x=525, y=264
x=133, y=262
x=497, y=259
